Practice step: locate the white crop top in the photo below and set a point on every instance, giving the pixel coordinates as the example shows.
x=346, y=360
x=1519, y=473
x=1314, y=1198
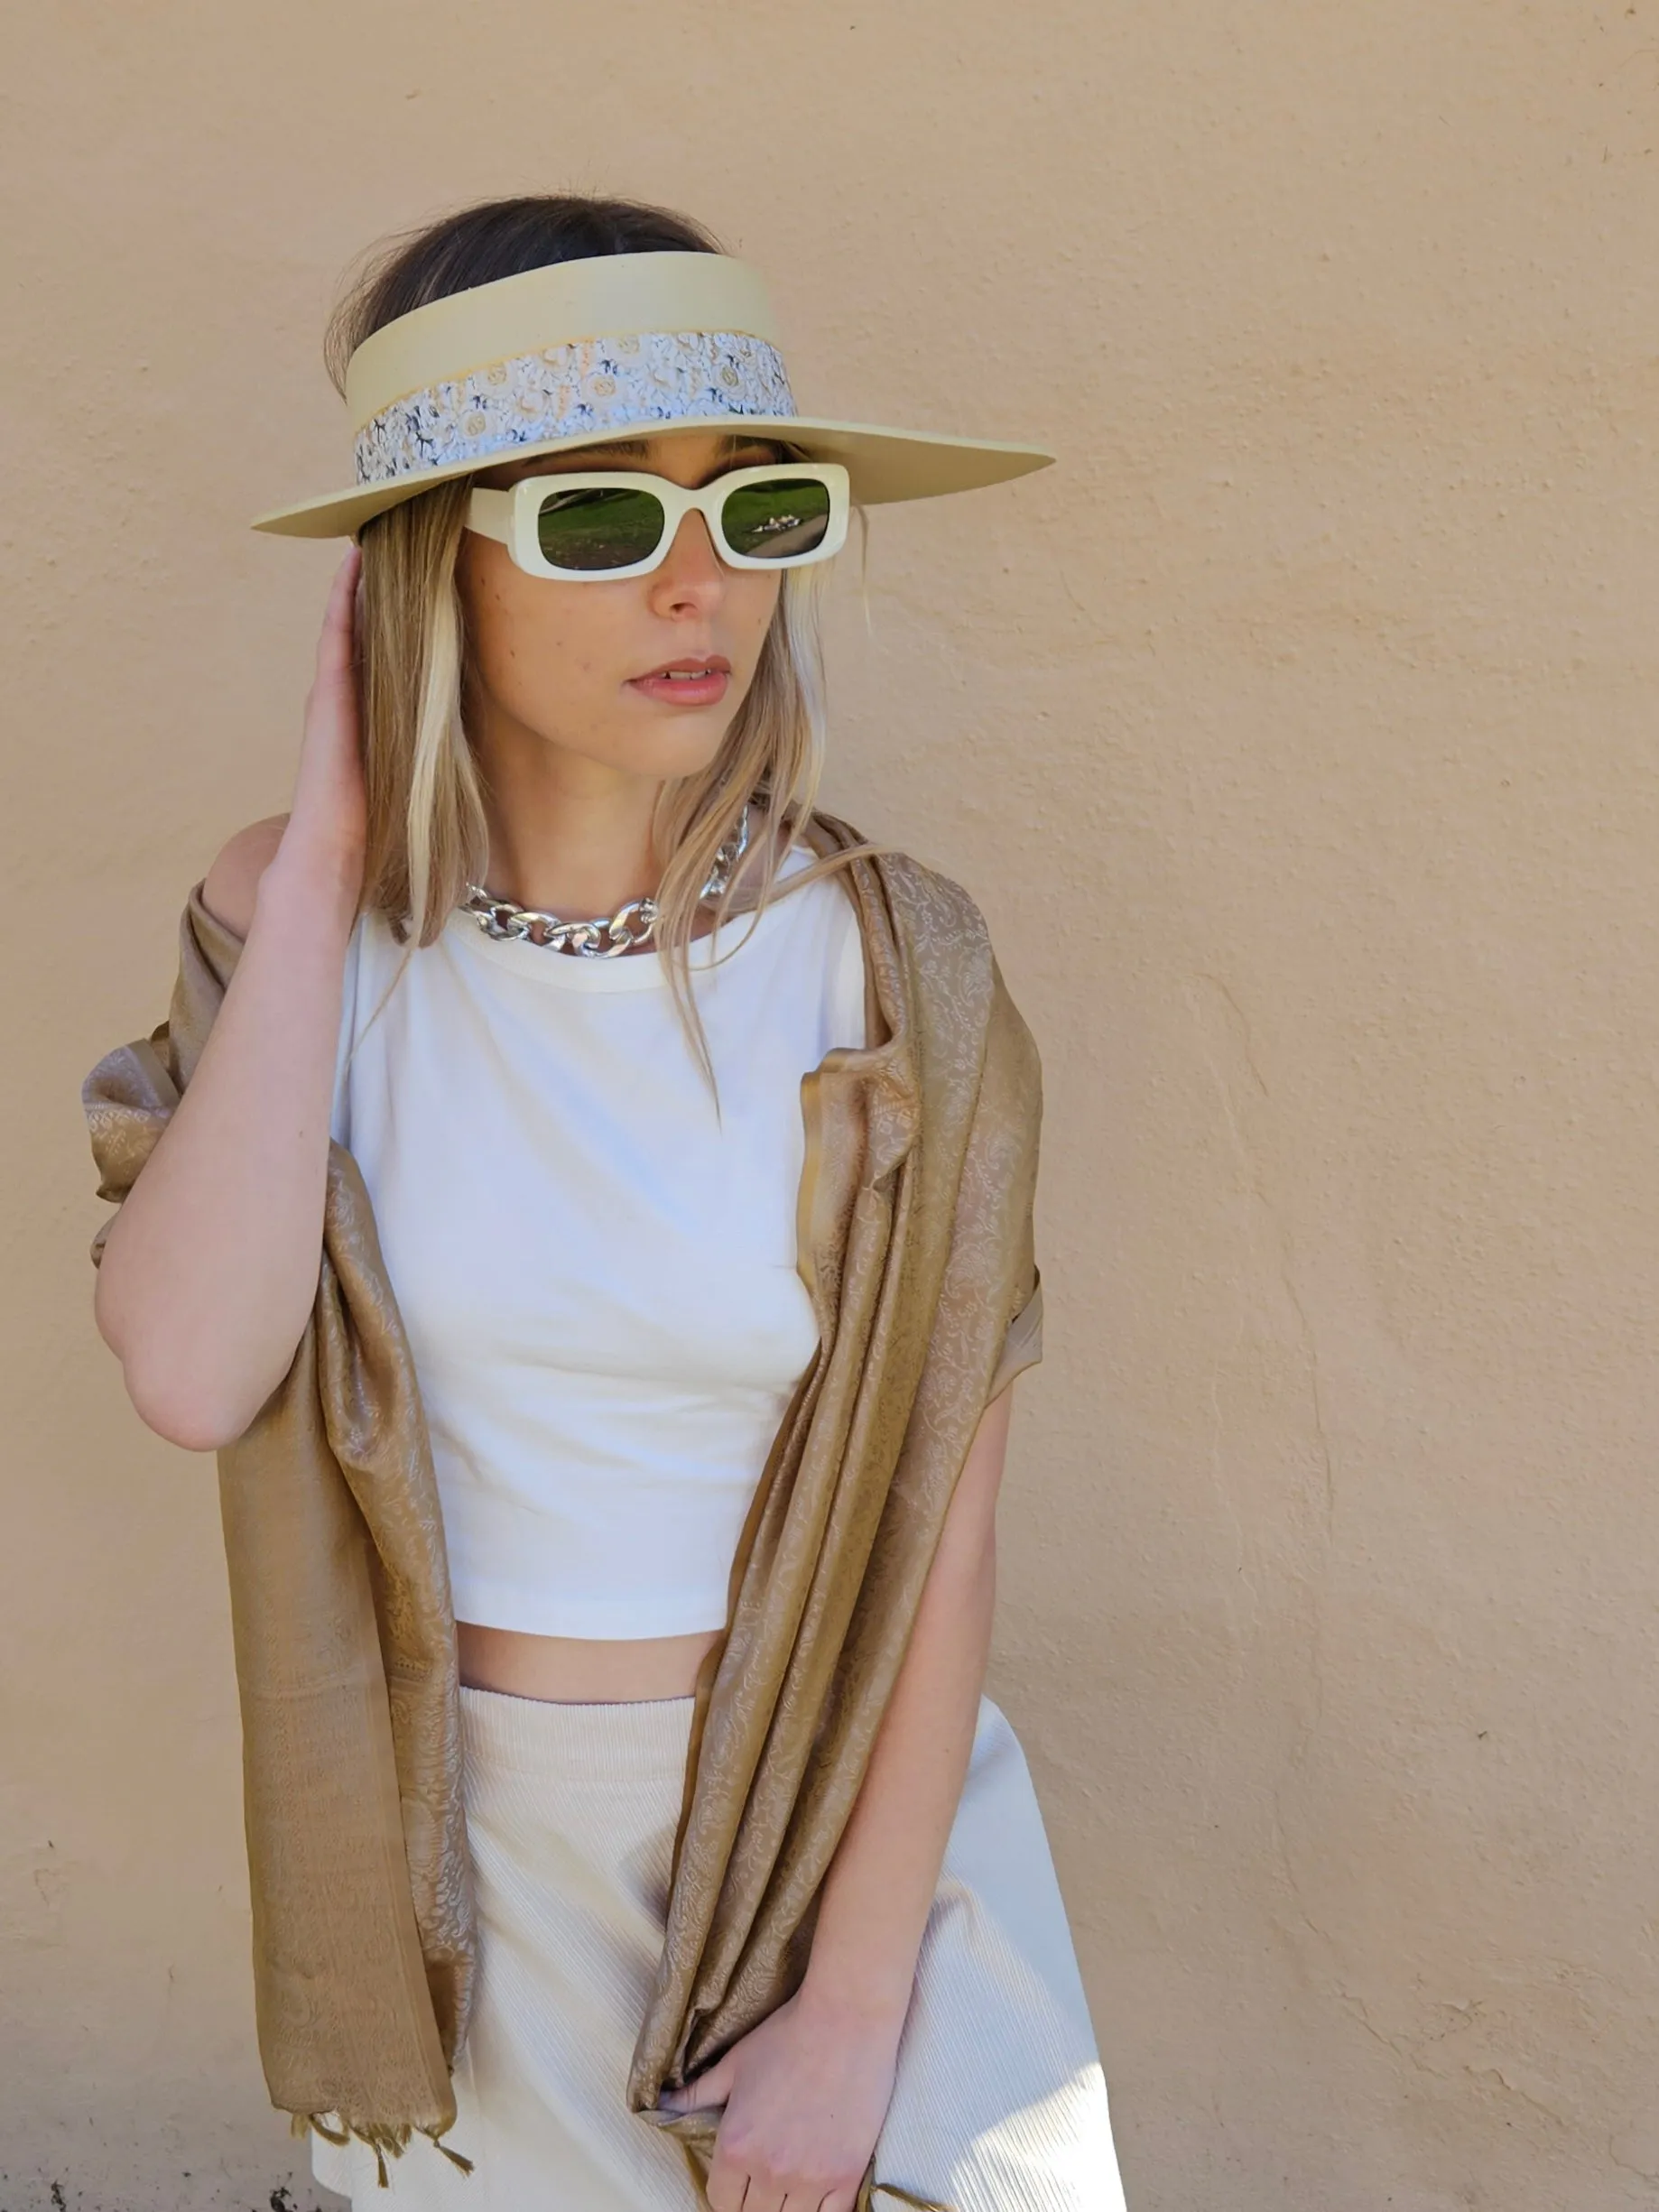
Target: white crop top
x=598, y=1281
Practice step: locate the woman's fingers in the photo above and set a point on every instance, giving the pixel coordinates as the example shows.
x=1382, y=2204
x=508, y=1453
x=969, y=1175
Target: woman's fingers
x=330, y=807
x=335, y=642
x=733, y=2192
x=712, y=2087
x=805, y=2096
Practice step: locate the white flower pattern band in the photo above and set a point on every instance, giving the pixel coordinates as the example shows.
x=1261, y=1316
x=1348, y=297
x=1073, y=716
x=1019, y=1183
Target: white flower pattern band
x=594, y=384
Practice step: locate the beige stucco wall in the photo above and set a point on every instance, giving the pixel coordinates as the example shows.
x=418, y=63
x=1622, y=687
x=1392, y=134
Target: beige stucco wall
x=1296, y=734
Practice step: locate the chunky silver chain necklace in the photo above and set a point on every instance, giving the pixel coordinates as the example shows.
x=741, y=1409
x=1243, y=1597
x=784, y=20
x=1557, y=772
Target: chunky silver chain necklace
x=610, y=934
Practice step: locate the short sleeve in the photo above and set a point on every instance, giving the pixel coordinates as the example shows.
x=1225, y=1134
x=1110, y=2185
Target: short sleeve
x=1012, y=1090
x=339, y=1117
x=847, y=988
x=1022, y=1345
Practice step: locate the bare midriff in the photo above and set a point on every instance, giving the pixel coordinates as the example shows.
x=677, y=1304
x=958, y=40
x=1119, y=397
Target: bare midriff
x=581, y=1669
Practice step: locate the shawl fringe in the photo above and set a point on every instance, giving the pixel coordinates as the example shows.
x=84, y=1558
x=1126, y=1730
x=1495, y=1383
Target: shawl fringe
x=384, y=2140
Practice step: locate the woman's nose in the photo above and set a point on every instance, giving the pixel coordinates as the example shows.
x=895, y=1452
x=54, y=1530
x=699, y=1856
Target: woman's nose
x=692, y=572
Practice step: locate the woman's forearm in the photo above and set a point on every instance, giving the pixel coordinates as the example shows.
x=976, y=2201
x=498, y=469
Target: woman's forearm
x=209, y=1269
x=882, y=1880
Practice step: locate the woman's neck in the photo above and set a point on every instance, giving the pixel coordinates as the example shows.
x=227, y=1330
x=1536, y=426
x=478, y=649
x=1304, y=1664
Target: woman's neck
x=571, y=836
x=567, y=833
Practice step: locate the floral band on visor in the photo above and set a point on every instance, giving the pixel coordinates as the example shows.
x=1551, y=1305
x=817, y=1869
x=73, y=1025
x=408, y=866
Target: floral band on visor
x=591, y=385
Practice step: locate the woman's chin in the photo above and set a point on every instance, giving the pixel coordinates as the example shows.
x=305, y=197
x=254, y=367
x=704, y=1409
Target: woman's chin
x=666, y=745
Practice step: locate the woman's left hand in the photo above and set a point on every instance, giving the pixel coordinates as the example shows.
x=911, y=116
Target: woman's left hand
x=805, y=2094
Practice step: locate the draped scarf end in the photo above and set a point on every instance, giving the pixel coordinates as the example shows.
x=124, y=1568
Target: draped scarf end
x=384, y=2141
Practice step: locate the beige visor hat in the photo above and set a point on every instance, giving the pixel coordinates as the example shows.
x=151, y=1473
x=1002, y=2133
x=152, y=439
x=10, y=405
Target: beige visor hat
x=587, y=351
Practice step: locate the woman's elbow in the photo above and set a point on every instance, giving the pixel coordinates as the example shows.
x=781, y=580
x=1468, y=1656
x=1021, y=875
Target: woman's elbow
x=182, y=1413
x=166, y=1383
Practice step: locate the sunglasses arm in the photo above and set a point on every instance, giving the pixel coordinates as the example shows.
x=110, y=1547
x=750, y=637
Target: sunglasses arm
x=490, y=513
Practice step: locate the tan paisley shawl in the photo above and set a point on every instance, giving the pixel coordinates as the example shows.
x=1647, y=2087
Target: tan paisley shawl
x=914, y=1235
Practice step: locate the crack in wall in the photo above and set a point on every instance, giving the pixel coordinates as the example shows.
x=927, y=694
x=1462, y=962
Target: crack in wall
x=1279, y=1249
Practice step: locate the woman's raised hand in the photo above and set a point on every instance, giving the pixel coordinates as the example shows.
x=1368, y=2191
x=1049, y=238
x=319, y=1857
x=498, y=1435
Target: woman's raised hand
x=329, y=814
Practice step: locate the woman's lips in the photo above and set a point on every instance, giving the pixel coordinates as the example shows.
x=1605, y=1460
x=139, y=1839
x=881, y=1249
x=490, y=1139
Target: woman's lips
x=686, y=683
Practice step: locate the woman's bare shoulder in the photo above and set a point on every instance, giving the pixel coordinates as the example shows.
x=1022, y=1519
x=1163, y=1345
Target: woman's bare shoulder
x=228, y=888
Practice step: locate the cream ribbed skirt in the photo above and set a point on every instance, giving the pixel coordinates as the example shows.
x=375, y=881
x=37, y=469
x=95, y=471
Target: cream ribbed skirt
x=999, y=2103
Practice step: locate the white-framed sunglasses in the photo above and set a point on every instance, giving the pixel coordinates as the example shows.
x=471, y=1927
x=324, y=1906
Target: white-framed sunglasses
x=608, y=522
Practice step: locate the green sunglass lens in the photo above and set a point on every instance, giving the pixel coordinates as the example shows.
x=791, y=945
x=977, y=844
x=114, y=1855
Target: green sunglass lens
x=772, y=520
x=600, y=527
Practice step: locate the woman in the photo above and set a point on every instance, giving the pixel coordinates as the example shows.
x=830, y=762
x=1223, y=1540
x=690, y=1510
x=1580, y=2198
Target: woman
x=612, y=1559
